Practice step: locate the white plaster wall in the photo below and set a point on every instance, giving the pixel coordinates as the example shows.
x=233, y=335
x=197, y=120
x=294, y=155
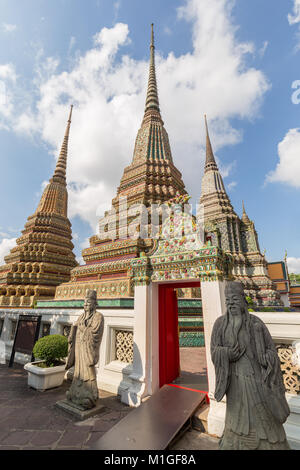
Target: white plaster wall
x=213, y=306
x=113, y=375
x=56, y=317
x=145, y=368
x=285, y=299
x=283, y=326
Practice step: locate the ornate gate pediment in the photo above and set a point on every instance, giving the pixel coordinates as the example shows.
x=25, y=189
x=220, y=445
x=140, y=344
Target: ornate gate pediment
x=180, y=255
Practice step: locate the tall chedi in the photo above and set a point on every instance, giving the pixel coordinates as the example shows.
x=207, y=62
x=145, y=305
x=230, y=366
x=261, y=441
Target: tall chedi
x=43, y=256
x=150, y=178
x=235, y=235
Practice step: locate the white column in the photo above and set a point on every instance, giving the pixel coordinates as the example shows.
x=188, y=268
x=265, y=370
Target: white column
x=213, y=305
x=145, y=368
x=285, y=299
x=6, y=329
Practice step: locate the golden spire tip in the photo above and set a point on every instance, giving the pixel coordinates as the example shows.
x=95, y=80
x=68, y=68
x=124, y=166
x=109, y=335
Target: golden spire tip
x=70, y=115
x=152, y=35
x=206, y=125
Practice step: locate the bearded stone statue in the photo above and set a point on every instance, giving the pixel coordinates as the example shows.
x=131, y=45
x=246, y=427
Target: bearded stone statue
x=248, y=372
x=84, y=344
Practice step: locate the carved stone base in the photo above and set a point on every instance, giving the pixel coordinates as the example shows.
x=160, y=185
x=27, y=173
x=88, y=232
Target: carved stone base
x=79, y=412
x=216, y=417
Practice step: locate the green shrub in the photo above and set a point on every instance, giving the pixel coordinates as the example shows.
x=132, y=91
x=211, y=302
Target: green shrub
x=249, y=300
x=51, y=349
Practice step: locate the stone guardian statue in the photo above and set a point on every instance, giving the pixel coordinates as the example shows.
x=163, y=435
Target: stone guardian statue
x=84, y=344
x=248, y=372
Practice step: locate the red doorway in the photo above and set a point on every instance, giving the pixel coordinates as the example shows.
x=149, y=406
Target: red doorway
x=169, y=359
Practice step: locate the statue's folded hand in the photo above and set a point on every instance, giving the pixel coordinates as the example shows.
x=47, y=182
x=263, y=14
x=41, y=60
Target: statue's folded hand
x=234, y=353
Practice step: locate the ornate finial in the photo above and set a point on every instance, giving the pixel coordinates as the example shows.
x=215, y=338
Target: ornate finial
x=244, y=212
x=61, y=165
x=70, y=115
x=285, y=255
x=152, y=36
x=152, y=103
x=210, y=162
x=245, y=217
x=264, y=252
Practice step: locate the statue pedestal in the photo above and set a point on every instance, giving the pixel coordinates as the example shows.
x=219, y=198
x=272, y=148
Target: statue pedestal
x=216, y=417
x=78, y=412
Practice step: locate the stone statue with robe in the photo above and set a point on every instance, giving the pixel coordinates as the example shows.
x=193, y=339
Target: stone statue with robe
x=248, y=372
x=84, y=344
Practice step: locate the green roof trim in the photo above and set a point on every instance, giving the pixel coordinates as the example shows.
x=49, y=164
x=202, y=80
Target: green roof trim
x=102, y=303
x=183, y=304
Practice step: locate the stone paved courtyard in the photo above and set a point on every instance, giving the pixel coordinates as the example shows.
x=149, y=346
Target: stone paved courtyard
x=29, y=419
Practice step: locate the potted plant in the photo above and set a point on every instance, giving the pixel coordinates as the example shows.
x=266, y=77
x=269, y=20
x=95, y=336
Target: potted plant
x=49, y=370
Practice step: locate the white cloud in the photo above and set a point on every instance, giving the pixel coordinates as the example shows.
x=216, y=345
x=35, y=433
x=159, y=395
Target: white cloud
x=72, y=43
x=117, y=6
x=7, y=72
x=231, y=185
x=295, y=17
x=84, y=244
x=167, y=30
x=293, y=265
x=226, y=170
x=288, y=169
x=8, y=79
x=8, y=28
x=6, y=244
x=108, y=92
x=262, y=50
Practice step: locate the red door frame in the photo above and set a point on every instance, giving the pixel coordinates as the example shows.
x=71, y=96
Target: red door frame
x=169, y=362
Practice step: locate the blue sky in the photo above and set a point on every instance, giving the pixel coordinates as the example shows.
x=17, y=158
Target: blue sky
x=234, y=61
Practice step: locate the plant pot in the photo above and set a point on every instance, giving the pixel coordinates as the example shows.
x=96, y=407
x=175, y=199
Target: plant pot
x=43, y=378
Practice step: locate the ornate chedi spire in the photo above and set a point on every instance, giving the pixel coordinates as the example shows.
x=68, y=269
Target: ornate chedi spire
x=152, y=176
x=61, y=165
x=210, y=162
x=55, y=195
x=152, y=103
x=213, y=192
x=230, y=233
x=152, y=139
x=43, y=256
